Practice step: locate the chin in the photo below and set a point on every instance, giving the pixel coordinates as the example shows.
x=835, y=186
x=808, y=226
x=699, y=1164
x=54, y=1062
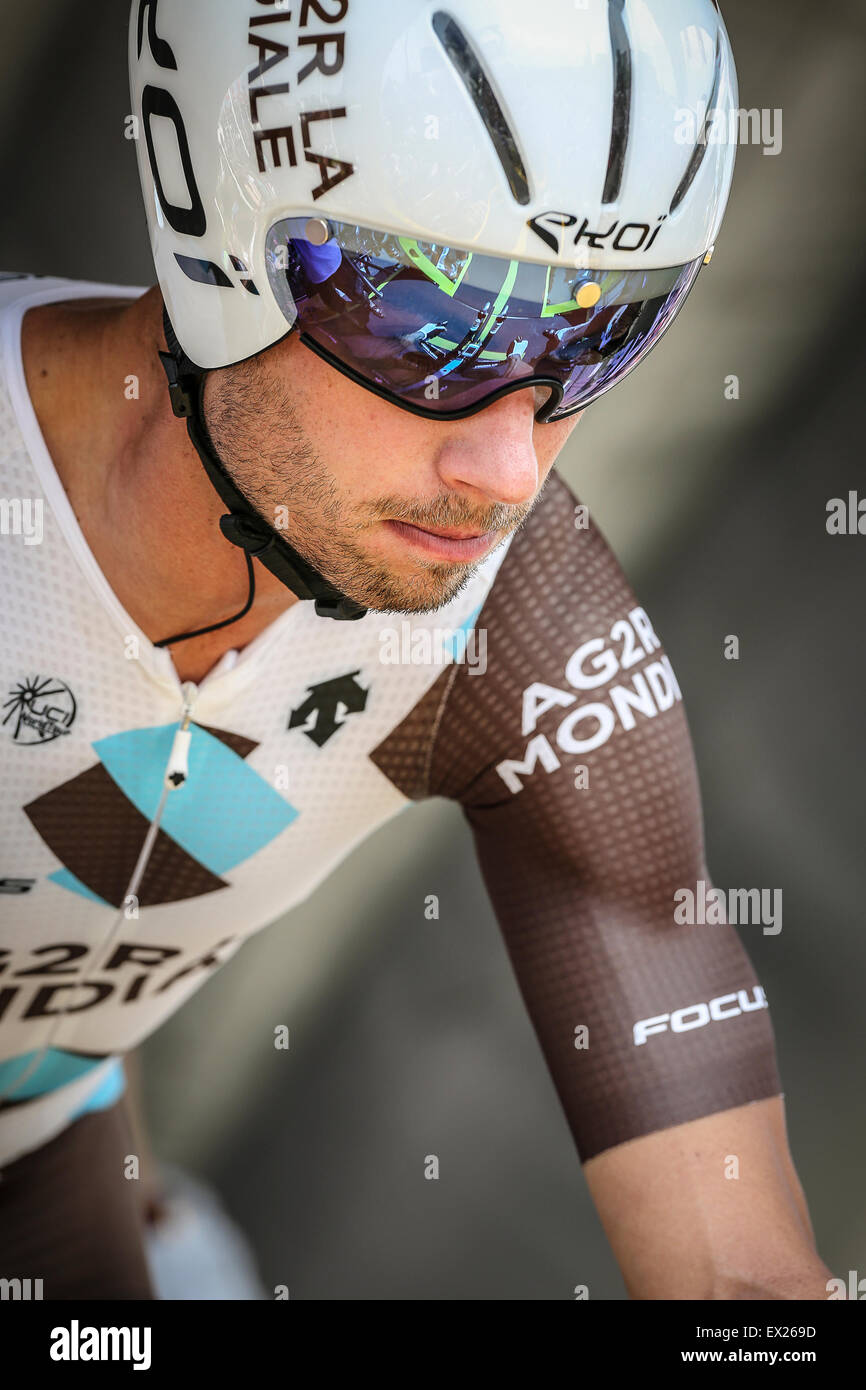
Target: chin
x=408, y=588
x=403, y=596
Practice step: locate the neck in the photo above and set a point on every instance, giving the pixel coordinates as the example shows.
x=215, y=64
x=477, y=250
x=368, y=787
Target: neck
x=136, y=484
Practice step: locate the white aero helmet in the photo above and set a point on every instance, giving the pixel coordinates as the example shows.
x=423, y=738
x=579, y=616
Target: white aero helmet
x=447, y=199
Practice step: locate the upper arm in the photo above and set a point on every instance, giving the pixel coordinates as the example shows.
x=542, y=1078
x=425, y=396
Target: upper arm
x=583, y=868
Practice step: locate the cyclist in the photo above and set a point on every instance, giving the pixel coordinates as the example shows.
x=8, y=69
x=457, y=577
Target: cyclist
x=395, y=264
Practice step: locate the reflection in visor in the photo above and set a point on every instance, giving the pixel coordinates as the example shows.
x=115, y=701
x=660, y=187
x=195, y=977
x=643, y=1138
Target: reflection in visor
x=442, y=330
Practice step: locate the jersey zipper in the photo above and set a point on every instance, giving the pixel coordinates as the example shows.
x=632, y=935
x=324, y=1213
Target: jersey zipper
x=175, y=776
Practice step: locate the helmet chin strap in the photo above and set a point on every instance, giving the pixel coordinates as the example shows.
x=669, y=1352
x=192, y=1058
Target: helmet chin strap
x=242, y=525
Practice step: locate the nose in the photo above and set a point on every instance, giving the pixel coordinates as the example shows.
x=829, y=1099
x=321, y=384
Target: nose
x=493, y=452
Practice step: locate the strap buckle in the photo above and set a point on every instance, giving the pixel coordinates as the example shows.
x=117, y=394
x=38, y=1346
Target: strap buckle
x=180, y=388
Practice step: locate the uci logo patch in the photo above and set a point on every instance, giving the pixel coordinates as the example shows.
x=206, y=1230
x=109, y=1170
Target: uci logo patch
x=38, y=709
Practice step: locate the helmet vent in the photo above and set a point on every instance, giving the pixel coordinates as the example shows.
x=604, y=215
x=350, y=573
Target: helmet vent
x=203, y=272
x=621, y=101
x=477, y=84
x=697, y=157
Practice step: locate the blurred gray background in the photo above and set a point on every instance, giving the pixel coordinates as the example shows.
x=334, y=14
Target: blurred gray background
x=409, y=1037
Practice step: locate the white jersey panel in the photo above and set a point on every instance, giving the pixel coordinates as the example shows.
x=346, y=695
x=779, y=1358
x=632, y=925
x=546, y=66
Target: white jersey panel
x=280, y=784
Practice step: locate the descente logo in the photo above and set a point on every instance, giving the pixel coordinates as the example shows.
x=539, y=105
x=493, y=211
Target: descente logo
x=75, y=1343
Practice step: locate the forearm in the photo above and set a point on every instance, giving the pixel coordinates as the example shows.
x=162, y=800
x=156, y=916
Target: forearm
x=765, y=1255
x=796, y=1273
x=710, y=1210
x=791, y=1270
x=753, y=1270
x=805, y=1278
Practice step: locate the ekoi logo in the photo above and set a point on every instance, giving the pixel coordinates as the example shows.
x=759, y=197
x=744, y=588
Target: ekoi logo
x=38, y=710
x=626, y=236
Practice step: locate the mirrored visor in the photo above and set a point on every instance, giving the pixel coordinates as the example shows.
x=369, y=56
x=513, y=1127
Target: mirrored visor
x=442, y=331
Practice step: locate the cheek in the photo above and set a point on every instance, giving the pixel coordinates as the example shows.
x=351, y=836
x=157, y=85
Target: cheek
x=365, y=448
x=358, y=437
x=549, y=440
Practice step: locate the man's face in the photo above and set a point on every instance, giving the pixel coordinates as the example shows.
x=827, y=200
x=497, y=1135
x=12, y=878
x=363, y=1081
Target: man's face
x=350, y=478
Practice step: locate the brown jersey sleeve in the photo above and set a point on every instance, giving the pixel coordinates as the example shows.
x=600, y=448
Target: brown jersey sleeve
x=563, y=737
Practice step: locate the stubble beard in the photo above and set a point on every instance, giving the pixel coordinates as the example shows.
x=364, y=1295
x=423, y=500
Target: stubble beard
x=309, y=512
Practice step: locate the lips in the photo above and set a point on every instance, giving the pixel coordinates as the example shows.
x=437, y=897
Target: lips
x=453, y=533
x=452, y=543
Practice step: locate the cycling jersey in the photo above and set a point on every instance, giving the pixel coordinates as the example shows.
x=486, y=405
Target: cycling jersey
x=539, y=698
